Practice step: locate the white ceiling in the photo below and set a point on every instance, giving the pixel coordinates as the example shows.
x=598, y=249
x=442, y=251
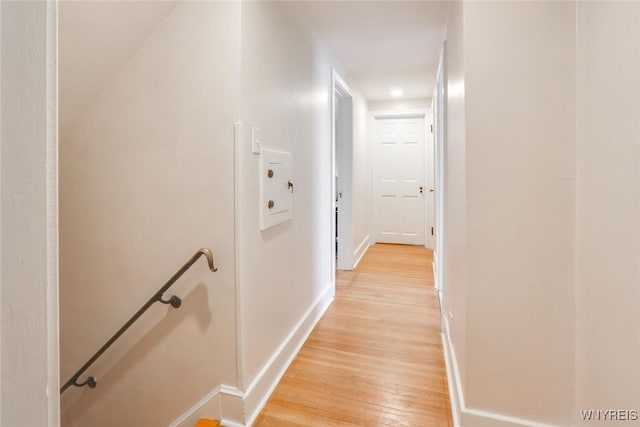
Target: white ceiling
x=96, y=38
x=382, y=45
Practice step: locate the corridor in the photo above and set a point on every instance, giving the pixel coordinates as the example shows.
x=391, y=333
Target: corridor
x=375, y=358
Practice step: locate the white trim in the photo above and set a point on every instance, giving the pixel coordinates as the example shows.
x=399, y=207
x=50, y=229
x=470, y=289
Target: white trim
x=392, y=114
x=29, y=262
x=226, y=423
x=473, y=417
x=345, y=221
x=371, y=129
x=429, y=181
x=207, y=407
x=373, y=115
x=439, y=140
x=453, y=373
x=332, y=166
x=266, y=381
x=340, y=85
x=361, y=250
x=217, y=404
x=53, y=216
x=237, y=142
x=469, y=417
x=231, y=404
x=1, y=240
x=434, y=265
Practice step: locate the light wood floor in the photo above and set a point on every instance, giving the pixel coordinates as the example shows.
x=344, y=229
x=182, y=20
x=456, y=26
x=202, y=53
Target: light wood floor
x=375, y=358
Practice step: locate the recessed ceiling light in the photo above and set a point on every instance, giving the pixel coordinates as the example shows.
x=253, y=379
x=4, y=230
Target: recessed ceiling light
x=396, y=92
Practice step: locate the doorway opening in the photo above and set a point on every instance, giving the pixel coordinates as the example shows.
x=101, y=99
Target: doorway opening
x=341, y=174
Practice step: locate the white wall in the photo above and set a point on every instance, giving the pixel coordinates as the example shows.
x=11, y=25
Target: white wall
x=520, y=146
x=361, y=191
x=454, y=255
x=145, y=181
x=28, y=200
x=510, y=209
x=148, y=177
x=96, y=40
x=285, y=92
x=285, y=272
x=553, y=208
x=608, y=207
x=343, y=131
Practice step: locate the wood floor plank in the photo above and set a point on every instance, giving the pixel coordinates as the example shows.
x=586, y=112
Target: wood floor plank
x=375, y=358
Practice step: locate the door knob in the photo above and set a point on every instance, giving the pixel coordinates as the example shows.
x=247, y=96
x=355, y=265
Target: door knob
x=421, y=189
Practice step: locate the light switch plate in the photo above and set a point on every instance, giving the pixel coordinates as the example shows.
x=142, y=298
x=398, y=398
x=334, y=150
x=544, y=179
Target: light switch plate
x=256, y=140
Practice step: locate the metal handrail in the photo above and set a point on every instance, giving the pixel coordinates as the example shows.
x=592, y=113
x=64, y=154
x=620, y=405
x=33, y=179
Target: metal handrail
x=175, y=302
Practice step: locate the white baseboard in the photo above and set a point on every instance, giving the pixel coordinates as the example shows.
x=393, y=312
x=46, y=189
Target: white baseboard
x=235, y=408
x=222, y=403
x=231, y=405
x=435, y=273
x=453, y=374
x=468, y=417
x=266, y=381
x=362, y=249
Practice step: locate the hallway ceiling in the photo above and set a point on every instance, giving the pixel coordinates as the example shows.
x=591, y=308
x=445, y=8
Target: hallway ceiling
x=382, y=45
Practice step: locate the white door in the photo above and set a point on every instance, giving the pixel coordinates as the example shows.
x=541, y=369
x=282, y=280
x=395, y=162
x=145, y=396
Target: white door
x=399, y=185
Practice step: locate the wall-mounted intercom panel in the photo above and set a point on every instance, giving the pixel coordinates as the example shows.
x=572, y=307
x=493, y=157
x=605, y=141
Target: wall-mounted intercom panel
x=276, y=188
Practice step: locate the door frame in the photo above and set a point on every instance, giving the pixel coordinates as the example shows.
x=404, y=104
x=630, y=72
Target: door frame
x=342, y=159
x=419, y=113
x=440, y=136
x=29, y=203
x=429, y=181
